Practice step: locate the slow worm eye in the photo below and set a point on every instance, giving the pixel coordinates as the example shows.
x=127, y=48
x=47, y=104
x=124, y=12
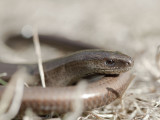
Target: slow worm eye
x=110, y=62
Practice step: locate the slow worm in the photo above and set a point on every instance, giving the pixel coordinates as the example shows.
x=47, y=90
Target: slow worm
x=68, y=70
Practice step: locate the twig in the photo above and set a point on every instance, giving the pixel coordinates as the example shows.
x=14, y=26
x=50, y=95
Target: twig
x=77, y=102
x=38, y=53
x=15, y=86
x=158, y=57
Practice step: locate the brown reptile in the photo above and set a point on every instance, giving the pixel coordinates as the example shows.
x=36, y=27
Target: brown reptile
x=69, y=69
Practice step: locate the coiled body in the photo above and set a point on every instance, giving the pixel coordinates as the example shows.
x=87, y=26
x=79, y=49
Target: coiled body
x=60, y=99
x=69, y=69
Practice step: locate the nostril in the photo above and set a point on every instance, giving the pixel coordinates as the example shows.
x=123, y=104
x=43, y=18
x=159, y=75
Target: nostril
x=129, y=63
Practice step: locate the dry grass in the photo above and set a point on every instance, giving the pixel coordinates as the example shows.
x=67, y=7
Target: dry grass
x=39, y=57
x=12, y=96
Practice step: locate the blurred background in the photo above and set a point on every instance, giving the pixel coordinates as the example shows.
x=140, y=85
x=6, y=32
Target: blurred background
x=129, y=26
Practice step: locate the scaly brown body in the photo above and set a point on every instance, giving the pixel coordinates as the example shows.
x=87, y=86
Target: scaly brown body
x=67, y=70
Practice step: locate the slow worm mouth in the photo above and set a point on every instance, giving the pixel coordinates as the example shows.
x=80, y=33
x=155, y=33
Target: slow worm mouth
x=112, y=71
